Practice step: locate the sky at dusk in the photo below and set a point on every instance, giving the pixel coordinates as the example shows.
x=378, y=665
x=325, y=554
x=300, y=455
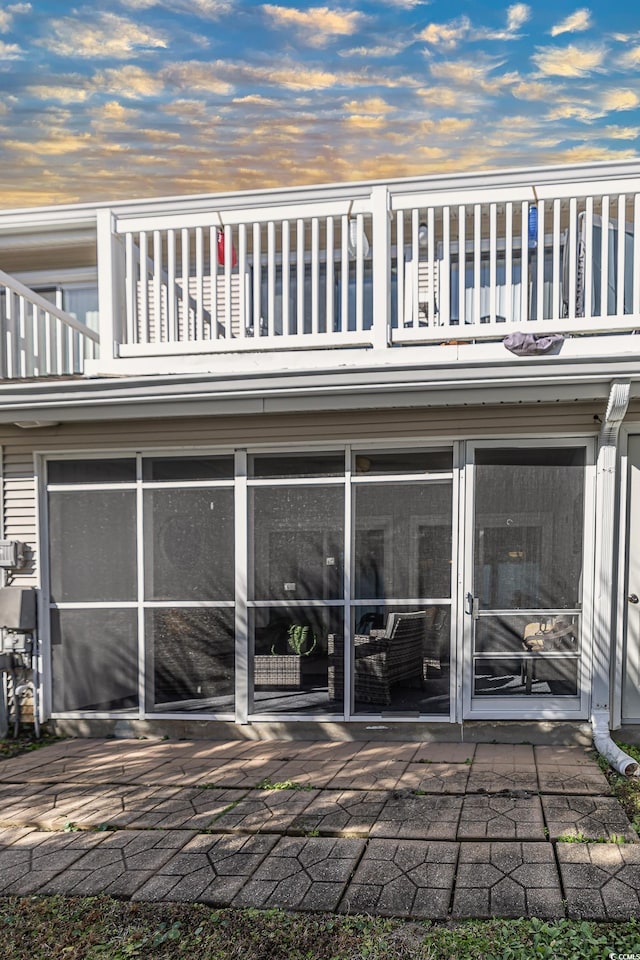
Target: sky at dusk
x=142, y=98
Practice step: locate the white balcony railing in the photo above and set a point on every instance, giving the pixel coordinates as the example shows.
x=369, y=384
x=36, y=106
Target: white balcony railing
x=435, y=260
x=389, y=267
x=37, y=338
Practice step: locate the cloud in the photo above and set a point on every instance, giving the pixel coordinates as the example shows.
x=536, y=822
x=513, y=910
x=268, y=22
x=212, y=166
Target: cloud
x=575, y=22
x=130, y=82
x=255, y=99
x=108, y=36
x=375, y=105
x=389, y=48
x=619, y=100
x=534, y=90
x=316, y=26
x=630, y=58
x=571, y=61
x=113, y=116
x=58, y=143
x=10, y=51
x=569, y=111
x=206, y=9
x=365, y=122
x=194, y=75
x=621, y=133
x=447, y=35
x=65, y=92
x=7, y=15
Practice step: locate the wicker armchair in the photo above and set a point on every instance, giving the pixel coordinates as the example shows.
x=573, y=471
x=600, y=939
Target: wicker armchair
x=381, y=659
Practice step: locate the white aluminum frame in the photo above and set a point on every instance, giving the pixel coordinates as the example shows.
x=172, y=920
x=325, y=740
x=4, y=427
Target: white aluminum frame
x=521, y=707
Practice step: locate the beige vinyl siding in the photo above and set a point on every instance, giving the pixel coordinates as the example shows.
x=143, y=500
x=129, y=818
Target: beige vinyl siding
x=19, y=446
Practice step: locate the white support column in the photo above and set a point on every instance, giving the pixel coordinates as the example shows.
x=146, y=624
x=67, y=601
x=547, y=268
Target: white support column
x=381, y=254
x=111, y=287
x=604, y=600
x=244, y=657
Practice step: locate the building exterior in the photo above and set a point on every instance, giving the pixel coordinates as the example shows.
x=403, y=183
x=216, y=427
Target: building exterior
x=239, y=431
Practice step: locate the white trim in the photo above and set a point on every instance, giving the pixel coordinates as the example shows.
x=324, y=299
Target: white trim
x=243, y=643
x=549, y=706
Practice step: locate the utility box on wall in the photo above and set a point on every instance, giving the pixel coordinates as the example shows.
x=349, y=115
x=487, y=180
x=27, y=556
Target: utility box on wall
x=17, y=609
x=11, y=554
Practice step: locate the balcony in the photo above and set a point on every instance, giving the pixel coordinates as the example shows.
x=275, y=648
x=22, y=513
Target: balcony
x=370, y=267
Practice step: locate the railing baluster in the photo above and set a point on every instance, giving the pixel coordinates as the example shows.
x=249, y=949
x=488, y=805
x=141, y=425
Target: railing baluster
x=130, y=282
x=493, y=261
x=243, y=284
x=540, y=262
x=524, y=262
x=508, y=262
x=400, y=260
x=257, y=282
x=415, y=269
x=144, y=335
x=286, y=289
x=329, y=325
x=300, y=270
x=271, y=277
x=443, y=305
x=184, y=293
x=462, y=265
x=556, y=290
x=215, y=332
x=573, y=226
x=344, y=275
x=172, y=311
x=477, y=262
x=604, y=254
x=199, y=291
x=156, y=286
x=588, y=271
x=315, y=273
x=622, y=220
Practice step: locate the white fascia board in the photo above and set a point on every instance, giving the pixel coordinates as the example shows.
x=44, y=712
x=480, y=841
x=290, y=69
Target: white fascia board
x=178, y=396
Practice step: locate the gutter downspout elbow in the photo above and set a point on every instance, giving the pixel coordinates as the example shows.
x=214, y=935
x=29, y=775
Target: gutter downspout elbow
x=605, y=746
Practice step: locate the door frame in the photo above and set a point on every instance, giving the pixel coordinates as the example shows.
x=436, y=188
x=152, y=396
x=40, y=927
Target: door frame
x=619, y=645
x=540, y=707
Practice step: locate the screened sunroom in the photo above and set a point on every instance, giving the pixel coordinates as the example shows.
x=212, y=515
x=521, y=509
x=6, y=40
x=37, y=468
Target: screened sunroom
x=339, y=582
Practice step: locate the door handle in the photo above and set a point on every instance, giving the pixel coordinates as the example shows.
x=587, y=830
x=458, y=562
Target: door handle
x=471, y=605
x=633, y=598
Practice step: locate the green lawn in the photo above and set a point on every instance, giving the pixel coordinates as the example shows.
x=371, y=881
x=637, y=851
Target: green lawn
x=33, y=928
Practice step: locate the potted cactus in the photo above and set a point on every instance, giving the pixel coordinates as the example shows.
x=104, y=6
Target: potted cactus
x=286, y=670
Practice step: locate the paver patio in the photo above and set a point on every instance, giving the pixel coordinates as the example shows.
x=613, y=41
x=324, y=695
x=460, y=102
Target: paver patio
x=399, y=829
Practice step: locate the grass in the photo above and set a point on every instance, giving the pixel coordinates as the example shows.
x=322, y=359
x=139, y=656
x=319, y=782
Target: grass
x=99, y=928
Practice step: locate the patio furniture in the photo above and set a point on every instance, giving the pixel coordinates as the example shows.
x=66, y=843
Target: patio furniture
x=382, y=658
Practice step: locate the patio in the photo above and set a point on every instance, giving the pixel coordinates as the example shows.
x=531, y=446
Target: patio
x=405, y=829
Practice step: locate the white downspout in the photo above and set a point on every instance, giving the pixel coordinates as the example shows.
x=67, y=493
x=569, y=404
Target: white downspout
x=605, y=521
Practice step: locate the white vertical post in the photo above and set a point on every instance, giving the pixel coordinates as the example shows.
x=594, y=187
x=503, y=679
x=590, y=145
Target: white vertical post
x=111, y=294
x=244, y=659
x=381, y=265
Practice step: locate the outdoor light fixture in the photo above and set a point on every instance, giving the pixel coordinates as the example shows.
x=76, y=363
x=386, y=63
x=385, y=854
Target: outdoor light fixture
x=352, y=240
x=423, y=235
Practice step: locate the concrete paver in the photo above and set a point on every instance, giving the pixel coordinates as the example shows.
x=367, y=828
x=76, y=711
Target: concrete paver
x=435, y=777
x=303, y=874
x=265, y=811
x=412, y=878
x=592, y=818
x=501, y=818
x=34, y=858
x=342, y=812
x=572, y=779
x=419, y=818
x=117, y=866
x=507, y=879
x=210, y=869
x=371, y=773
x=601, y=880
x=496, y=776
